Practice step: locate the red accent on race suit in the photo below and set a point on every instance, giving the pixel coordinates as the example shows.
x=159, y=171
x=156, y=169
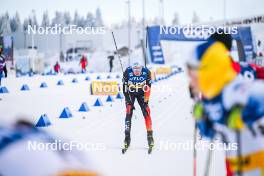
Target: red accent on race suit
x=128, y=109
x=148, y=121
x=260, y=73
x=236, y=66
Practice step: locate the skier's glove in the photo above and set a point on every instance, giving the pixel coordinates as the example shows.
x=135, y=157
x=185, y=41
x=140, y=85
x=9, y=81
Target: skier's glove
x=146, y=93
x=198, y=111
x=206, y=127
x=234, y=120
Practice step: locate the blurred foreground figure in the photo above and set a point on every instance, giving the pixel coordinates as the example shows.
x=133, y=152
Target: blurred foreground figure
x=231, y=107
x=17, y=158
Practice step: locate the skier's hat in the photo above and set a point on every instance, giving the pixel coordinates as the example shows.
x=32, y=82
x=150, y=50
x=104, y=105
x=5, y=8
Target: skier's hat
x=136, y=67
x=223, y=37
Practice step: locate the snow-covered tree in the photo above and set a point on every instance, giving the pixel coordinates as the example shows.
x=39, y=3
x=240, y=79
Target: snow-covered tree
x=25, y=24
x=67, y=18
x=76, y=18
x=45, y=19
x=15, y=23
x=195, y=18
x=32, y=18
x=1, y=21
x=89, y=21
x=176, y=19
x=98, y=17
x=81, y=22
x=58, y=19
x=5, y=26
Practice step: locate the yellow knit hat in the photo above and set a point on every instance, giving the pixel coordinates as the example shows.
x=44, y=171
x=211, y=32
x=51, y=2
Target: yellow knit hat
x=215, y=70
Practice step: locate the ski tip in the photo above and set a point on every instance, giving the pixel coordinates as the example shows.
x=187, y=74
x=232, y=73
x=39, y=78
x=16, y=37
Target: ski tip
x=124, y=151
x=150, y=150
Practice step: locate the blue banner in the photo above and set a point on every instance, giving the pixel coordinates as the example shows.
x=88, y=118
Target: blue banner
x=176, y=33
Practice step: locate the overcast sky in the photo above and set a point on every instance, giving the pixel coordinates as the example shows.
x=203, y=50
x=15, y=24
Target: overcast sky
x=114, y=11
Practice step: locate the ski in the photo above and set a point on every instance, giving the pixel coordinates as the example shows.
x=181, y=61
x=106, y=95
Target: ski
x=150, y=141
x=124, y=150
x=150, y=149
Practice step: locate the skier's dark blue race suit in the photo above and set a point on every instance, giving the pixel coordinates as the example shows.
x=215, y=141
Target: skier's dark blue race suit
x=137, y=87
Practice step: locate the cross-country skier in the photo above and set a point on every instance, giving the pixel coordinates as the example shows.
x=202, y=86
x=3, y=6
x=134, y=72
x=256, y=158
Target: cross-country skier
x=3, y=69
x=231, y=106
x=136, y=86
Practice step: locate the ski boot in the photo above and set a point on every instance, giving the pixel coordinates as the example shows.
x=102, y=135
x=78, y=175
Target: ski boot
x=150, y=141
x=126, y=143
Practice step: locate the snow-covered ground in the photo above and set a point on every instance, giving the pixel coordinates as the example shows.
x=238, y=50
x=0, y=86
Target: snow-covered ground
x=170, y=111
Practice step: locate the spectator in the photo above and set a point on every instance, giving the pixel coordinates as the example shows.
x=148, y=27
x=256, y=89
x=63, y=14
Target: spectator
x=57, y=67
x=259, y=43
x=111, y=59
x=61, y=56
x=83, y=63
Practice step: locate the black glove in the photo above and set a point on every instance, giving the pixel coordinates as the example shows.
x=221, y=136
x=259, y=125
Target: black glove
x=206, y=127
x=145, y=101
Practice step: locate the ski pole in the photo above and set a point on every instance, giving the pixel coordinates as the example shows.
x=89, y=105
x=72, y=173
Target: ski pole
x=208, y=161
x=194, y=149
x=120, y=63
x=117, y=52
x=196, y=98
x=239, y=155
x=146, y=50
